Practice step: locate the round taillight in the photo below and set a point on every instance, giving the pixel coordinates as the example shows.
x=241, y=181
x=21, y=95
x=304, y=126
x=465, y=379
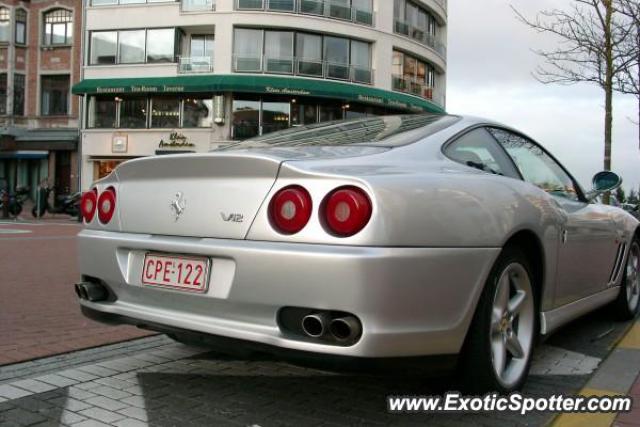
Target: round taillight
x=106, y=205
x=88, y=204
x=347, y=211
x=290, y=209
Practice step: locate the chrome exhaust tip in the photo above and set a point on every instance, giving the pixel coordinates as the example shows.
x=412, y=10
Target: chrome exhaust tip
x=345, y=328
x=79, y=291
x=93, y=292
x=315, y=325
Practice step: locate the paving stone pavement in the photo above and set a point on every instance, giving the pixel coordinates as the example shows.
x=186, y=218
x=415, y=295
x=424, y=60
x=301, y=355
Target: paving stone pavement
x=157, y=382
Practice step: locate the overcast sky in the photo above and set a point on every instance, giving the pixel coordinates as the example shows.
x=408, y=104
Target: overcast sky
x=490, y=60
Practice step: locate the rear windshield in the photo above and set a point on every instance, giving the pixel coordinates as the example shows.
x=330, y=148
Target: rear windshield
x=383, y=131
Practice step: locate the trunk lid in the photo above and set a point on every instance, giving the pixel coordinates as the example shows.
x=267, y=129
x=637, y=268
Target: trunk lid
x=206, y=195
x=215, y=195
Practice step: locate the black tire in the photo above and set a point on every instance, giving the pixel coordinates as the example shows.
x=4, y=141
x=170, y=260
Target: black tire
x=621, y=306
x=15, y=209
x=476, y=368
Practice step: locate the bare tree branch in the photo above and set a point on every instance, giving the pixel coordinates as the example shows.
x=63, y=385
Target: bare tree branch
x=593, y=42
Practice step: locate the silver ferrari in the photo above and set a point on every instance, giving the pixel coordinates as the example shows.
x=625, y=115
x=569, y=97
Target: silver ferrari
x=377, y=238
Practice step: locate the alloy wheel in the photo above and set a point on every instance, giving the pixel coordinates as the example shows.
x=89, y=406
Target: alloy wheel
x=633, y=277
x=512, y=325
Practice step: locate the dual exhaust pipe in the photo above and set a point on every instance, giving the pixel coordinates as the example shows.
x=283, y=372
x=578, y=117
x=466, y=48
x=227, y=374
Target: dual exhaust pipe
x=342, y=329
x=91, y=291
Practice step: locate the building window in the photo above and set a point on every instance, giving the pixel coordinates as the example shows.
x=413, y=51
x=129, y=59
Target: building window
x=416, y=22
x=5, y=25
x=103, y=112
x=133, y=113
x=3, y=93
x=58, y=27
x=309, y=54
x=246, y=118
x=132, y=46
x=165, y=112
x=278, y=52
x=255, y=116
x=54, y=99
x=412, y=75
x=247, y=49
x=18, y=94
x=130, y=112
x=336, y=55
x=21, y=26
x=160, y=45
x=104, y=47
x=114, y=2
x=197, y=113
x=315, y=55
x=359, y=11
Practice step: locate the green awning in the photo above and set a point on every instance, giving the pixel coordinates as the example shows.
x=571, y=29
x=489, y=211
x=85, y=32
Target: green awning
x=275, y=85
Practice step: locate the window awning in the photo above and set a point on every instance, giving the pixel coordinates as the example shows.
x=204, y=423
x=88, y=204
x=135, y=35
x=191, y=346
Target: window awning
x=274, y=85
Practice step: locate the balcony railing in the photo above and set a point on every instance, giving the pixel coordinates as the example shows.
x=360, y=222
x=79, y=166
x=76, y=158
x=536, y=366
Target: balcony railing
x=422, y=36
x=197, y=5
x=326, y=8
x=302, y=67
x=195, y=64
x=408, y=85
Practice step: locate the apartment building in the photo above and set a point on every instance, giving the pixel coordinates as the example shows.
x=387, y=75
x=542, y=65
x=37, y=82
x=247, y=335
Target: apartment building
x=40, y=60
x=187, y=76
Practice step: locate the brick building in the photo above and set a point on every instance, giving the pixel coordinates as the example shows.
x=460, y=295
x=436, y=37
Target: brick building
x=39, y=62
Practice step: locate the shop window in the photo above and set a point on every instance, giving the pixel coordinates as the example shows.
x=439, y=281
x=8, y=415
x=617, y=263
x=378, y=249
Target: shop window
x=165, y=112
x=133, y=113
x=58, y=27
x=18, y=94
x=5, y=25
x=21, y=26
x=275, y=116
x=303, y=114
x=246, y=118
x=54, y=98
x=197, y=113
x=103, y=112
x=330, y=112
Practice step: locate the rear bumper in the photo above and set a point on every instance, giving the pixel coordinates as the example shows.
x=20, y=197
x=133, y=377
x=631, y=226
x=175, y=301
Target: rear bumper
x=411, y=301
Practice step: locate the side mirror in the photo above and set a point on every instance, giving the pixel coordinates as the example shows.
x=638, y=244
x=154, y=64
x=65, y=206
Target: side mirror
x=604, y=182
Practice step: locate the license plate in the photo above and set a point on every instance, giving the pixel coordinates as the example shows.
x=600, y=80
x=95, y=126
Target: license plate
x=190, y=274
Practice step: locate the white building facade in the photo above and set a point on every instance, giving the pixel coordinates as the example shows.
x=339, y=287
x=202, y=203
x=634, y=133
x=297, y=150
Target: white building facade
x=189, y=76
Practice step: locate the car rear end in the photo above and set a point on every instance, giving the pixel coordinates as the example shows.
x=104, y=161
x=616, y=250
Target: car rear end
x=260, y=247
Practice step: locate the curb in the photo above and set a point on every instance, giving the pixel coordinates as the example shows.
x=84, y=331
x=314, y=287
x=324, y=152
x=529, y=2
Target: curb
x=615, y=377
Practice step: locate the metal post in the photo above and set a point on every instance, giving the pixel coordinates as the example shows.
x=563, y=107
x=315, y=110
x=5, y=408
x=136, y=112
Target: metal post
x=38, y=201
x=5, y=204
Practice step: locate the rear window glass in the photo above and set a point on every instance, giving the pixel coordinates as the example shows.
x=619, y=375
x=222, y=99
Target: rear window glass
x=384, y=131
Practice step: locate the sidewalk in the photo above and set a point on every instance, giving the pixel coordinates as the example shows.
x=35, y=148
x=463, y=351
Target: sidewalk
x=618, y=375
x=26, y=217
x=632, y=343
